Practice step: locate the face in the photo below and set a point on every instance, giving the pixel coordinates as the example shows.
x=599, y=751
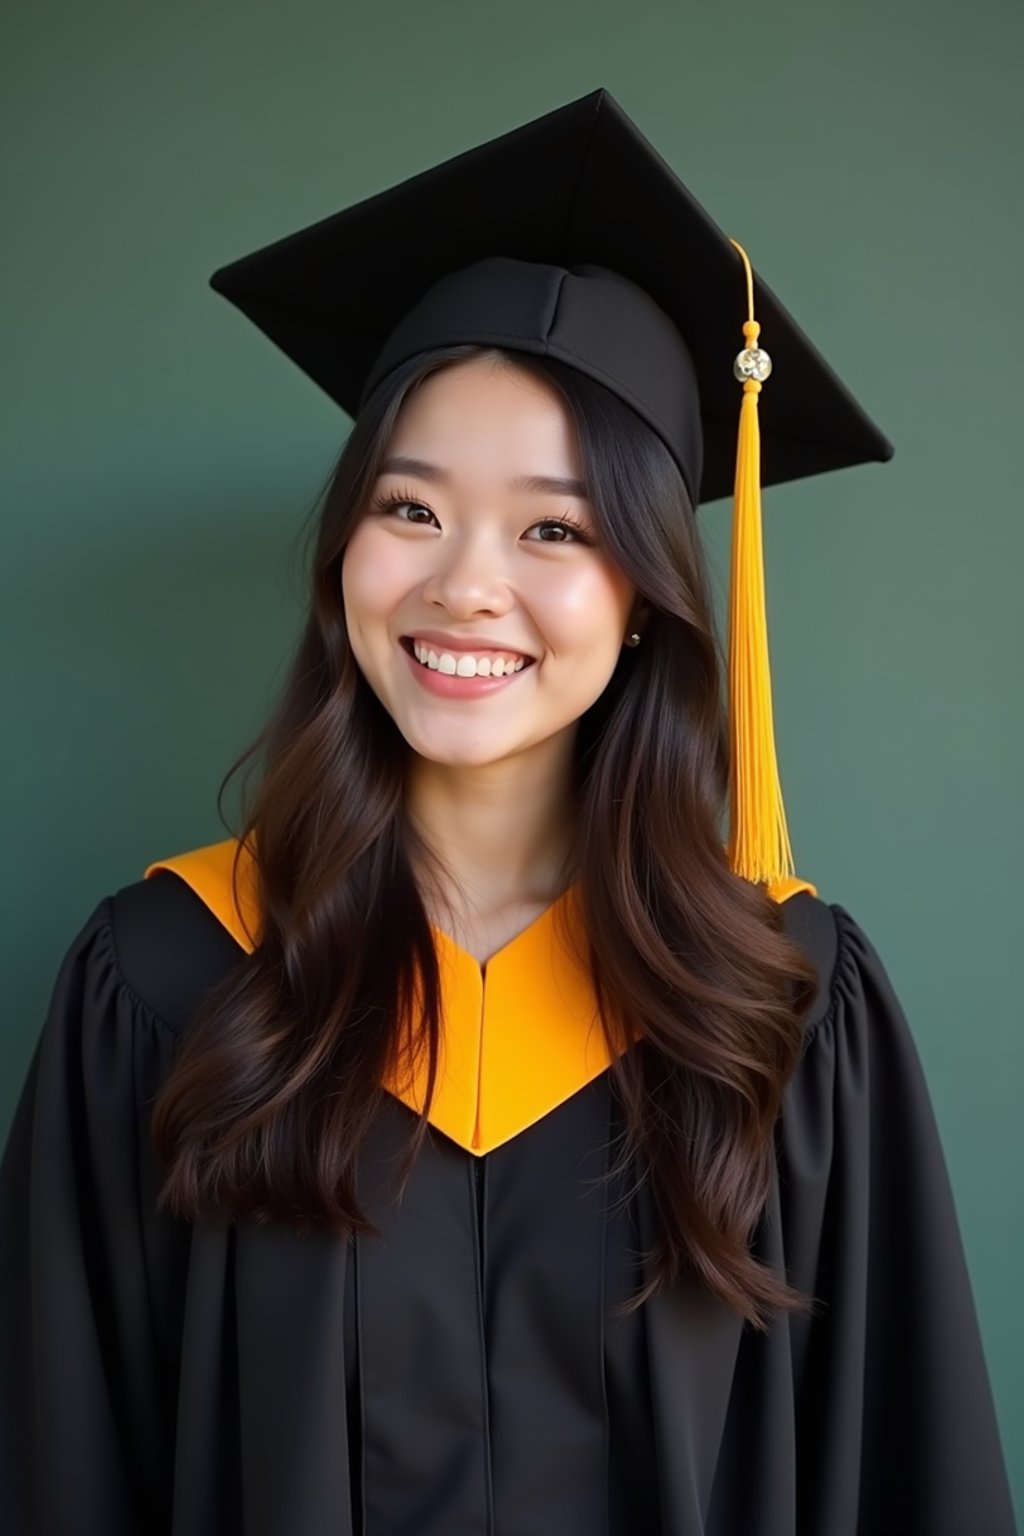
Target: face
x=467, y=552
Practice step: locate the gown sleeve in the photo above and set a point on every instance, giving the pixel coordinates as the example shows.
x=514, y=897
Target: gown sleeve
x=896, y=1425
x=86, y=1393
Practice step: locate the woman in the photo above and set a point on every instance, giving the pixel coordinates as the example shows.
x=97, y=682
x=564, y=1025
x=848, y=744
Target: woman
x=470, y=1144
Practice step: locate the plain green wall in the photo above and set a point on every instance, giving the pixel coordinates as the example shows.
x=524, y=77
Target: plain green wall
x=159, y=455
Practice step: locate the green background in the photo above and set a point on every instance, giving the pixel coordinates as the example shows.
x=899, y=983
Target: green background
x=159, y=455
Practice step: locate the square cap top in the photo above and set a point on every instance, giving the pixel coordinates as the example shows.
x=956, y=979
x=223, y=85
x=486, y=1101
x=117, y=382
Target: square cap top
x=581, y=192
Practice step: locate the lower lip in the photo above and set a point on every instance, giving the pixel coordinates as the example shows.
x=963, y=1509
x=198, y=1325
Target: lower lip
x=449, y=686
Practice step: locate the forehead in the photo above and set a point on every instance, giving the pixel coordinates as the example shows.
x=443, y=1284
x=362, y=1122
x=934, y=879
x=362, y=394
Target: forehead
x=487, y=419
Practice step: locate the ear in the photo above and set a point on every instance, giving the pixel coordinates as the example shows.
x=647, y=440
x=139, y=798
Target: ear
x=640, y=617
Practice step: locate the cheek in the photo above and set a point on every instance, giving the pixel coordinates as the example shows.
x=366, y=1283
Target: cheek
x=371, y=577
x=587, y=606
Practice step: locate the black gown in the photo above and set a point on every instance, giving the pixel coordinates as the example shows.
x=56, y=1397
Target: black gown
x=465, y=1377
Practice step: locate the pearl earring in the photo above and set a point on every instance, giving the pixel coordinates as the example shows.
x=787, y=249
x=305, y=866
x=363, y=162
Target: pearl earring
x=633, y=639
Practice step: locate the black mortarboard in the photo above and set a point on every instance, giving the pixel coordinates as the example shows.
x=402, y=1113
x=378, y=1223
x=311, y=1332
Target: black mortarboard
x=571, y=237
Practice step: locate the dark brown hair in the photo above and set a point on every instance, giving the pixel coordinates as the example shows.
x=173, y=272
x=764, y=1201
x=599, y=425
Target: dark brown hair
x=278, y=1077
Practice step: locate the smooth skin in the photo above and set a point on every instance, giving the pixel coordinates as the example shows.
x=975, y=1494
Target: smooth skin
x=488, y=778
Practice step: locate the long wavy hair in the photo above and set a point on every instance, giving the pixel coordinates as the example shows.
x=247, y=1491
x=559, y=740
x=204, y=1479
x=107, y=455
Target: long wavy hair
x=278, y=1077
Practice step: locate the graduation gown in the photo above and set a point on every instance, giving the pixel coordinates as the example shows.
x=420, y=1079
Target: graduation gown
x=465, y=1376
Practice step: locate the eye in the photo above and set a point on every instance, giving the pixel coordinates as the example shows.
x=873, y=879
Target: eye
x=566, y=521
x=391, y=501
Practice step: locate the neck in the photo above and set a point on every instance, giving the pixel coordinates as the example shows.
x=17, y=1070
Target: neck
x=503, y=830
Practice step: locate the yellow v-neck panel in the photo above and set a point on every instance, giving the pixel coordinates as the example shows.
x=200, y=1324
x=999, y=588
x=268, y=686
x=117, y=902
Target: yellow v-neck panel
x=517, y=1039
x=520, y=1038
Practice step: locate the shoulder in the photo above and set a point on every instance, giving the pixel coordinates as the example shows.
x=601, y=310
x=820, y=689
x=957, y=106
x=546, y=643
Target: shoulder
x=170, y=948
x=851, y=973
x=814, y=925
x=857, y=1010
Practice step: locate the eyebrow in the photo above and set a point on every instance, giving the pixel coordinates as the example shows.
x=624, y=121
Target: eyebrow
x=548, y=485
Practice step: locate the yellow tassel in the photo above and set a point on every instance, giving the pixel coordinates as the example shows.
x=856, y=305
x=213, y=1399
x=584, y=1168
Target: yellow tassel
x=759, y=847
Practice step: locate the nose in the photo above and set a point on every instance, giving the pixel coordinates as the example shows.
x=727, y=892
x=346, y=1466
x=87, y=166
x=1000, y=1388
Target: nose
x=470, y=575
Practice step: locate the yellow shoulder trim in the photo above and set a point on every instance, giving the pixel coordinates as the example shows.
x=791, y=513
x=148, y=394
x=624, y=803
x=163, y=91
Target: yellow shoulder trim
x=208, y=871
x=789, y=885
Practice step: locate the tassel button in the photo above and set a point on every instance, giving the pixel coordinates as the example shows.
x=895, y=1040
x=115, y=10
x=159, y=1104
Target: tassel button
x=752, y=363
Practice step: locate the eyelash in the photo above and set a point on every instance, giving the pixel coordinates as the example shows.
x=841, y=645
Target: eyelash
x=390, y=499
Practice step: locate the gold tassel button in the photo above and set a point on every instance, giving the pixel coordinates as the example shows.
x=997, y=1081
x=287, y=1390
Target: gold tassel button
x=753, y=362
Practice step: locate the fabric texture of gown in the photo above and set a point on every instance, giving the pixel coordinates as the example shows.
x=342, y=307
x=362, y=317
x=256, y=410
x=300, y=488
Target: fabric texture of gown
x=466, y=1375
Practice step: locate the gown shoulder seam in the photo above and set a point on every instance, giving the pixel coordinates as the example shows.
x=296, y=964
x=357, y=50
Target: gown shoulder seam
x=172, y=949
x=136, y=997
x=842, y=951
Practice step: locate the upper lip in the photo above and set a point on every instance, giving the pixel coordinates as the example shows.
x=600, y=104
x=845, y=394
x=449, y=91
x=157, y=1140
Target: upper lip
x=471, y=643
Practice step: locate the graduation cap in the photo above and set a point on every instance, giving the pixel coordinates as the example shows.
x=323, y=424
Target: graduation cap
x=570, y=237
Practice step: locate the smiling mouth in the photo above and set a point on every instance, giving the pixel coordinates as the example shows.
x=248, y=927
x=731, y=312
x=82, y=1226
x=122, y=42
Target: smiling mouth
x=408, y=645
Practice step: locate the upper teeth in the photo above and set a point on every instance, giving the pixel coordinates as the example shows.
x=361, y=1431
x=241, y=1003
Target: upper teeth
x=465, y=665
